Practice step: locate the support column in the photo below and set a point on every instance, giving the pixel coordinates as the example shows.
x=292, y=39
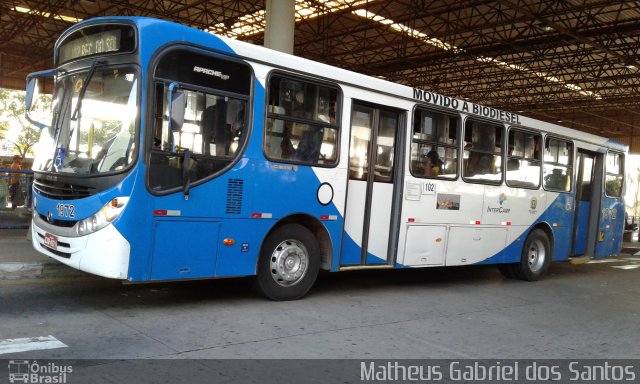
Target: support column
x=280, y=23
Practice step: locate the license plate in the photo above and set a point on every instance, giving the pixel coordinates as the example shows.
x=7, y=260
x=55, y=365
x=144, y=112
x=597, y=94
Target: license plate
x=51, y=241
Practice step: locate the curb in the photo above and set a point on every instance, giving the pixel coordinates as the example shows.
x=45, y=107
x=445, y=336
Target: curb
x=36, y=270
x=14, y=227
x=630, y=251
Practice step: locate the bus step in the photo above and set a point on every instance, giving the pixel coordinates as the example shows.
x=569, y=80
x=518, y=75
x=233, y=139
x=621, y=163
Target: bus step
x=580, y=259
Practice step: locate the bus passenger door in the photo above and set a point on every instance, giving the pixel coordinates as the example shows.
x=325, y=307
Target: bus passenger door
x=588, y=196
x=610, y=226
x=372, y=185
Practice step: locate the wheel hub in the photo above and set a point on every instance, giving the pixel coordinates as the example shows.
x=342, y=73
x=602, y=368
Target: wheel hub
x=289, y=262
x=536, y=255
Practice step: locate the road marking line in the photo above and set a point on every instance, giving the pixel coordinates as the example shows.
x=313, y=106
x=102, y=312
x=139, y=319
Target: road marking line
x=30, y=344
x=631, y=266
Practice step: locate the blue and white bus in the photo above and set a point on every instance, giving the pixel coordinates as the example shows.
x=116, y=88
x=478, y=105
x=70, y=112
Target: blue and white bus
x=177, y=154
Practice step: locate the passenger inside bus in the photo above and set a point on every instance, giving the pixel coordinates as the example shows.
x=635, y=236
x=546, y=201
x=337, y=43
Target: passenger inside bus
x=556, y=180
x=433, y=166
x=214, y=129
x=309, y=146
x=481, y=148
x=286, y=146
x=479, y=164
x=512, y=164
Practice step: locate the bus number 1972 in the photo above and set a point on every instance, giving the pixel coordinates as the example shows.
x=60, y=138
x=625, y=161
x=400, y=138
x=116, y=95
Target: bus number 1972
x=66, y=210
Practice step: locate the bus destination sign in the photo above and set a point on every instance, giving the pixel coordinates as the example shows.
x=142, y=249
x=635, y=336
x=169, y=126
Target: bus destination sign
x=96, y=44
x=96, y=40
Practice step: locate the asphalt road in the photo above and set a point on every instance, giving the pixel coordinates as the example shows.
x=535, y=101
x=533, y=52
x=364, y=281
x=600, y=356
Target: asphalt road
x=578, y=311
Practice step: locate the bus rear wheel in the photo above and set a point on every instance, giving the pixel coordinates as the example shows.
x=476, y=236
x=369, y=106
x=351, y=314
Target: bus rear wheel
x=289, y=263
x=536, y=257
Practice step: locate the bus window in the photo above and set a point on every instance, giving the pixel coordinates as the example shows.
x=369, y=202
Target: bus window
x=361, y=128
x=302, y=122
x=217, y=106
x=523, y=159
x=212, y=132
x=615, y=174
x=434, y=146
x=558, y=165
x=387, y=130
x=482, y=152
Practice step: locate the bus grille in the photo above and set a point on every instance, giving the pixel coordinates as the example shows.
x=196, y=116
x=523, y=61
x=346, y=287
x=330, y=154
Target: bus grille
x=235, y=188
x=58, y=190
x=59, y=223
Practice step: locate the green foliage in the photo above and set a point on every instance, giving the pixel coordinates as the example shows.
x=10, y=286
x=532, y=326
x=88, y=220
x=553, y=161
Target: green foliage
x=12, y=112
x=613, y=186
x=4, y=127
x=109, y=129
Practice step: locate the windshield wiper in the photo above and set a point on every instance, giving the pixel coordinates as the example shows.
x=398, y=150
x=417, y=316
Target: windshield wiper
x=76, y=112
x=76, y=116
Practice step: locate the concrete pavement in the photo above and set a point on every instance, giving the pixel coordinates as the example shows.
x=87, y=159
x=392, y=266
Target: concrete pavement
x=18, y=259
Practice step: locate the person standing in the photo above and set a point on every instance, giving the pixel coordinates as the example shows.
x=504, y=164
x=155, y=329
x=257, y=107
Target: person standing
x=14, y=180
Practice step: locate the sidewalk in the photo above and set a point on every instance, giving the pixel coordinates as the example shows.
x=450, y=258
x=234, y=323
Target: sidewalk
x=18, y=259
x=18, y=218
x=631, y=247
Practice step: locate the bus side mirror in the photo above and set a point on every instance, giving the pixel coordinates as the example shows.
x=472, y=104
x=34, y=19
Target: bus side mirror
x=34, y=82
x=177, y=105
x=33, y=91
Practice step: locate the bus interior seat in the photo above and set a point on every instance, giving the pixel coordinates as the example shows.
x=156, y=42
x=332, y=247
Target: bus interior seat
x=215, y=129
x=452, y=167
x=513, y=165
x=309, y=146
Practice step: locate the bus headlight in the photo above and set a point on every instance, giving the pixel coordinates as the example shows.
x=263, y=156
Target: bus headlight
x=103, y=217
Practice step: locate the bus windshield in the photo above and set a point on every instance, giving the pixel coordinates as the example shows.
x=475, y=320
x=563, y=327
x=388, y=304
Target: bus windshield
x=94, y=130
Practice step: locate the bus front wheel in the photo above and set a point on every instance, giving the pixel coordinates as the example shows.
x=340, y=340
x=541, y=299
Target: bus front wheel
x=289, y=263
x=536, y=257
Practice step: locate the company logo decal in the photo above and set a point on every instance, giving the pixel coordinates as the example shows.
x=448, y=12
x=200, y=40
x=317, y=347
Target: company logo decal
x=533, y=206
x=211, y=72
x=501, y=199
x=25, y=371
x=78, y=85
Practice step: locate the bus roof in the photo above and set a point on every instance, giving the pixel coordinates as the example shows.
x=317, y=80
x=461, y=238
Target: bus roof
x=346, y=77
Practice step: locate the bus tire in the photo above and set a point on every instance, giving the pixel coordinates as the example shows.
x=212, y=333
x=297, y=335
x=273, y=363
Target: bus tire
x=536, y=257
x=289, y=263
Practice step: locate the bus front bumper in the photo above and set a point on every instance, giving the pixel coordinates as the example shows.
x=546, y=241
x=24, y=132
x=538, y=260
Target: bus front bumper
x=103, y=253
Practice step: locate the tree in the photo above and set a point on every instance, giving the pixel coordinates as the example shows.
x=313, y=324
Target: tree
x=12, y=112
x=4, y=127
